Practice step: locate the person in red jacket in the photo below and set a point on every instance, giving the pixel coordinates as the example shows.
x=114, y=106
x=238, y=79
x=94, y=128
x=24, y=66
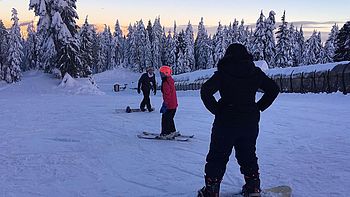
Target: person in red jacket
x=170, y=104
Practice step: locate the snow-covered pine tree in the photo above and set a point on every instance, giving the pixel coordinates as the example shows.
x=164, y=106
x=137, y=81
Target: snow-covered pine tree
x=164, y=47
x=299, y=46
x=189, y=50
x=234, y=32
x=31, y=49
x=259, y=38
x=330, y=45
x=293, y=41
x=183, y=64
x=156, y=38
x=143, y=48
x=180, y=63
x=170, y=51
x=284, y=56
x=12, y=70
x=68, y=49
x=119, y=44
x=95, y=49
x=57, y=30
x=242, y=34
x=210, y=49
x=149, y=29
x=3, y=48
x=250, y=39
x=106, y=50
x=86, y=48
x=313, y=49
x=270, y=44
x=69, y=15
x=176, y=41
x=219, y=44
x=342, y=52
x=201, y=47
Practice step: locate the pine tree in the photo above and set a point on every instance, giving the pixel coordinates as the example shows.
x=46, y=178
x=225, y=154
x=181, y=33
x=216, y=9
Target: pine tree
x=157, y=45
x=313, y=49
x=284, y=56
x=68, y=53
x=219, y=44
x=118, y=44
x=202, y=48
x=189, y=50
x=105, y=50
x=31, y=49
x=342, y=52
x=170, y=52
x=259, y=38
x=86, y=49
x=12, y=70
x=330, y=45
x=234, y=31
x=95, y=49
x=3, y=48
x=299, y=46
x=269, y=50
x=57, y=30
x=243, y=34
x=293, y=41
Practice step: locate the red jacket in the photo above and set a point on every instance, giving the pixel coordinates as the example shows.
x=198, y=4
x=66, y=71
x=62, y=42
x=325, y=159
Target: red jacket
x=169, y=93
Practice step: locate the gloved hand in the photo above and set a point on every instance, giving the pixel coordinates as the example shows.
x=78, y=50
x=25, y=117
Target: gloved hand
x=139, y=91
x=155, y=92
x=163, y=108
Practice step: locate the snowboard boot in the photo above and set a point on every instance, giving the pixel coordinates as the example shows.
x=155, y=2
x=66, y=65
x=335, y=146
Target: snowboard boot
x=211, y=188
x=150, y=110
x=252, y=186
x=143, y=109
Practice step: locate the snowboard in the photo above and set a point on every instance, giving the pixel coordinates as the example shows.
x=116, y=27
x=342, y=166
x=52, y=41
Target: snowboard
x=279, y=191
x=156, y=136
x=130, y=110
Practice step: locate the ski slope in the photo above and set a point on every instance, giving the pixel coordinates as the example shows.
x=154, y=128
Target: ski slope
x=69, y=141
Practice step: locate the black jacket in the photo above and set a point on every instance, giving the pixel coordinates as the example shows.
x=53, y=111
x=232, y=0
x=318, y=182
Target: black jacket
x=237, y=81
x=147, y=83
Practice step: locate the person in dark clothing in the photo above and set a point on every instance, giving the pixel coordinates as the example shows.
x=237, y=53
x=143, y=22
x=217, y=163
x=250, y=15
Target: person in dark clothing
x=147, y=82
x=237, y=117
x=170, y=104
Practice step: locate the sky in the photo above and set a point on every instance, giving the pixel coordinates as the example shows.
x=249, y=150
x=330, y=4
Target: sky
x=314, y=14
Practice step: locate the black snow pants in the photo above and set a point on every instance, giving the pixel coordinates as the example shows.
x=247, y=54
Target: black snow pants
x=168, y=124
x=146, y=100
x=241, y=137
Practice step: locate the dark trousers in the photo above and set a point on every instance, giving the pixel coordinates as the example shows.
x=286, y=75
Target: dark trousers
x=146, y=100
x=168, y=125
x=223, y=139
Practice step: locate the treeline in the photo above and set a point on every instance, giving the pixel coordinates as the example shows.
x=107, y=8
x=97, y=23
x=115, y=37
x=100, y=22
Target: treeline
x=58, y=45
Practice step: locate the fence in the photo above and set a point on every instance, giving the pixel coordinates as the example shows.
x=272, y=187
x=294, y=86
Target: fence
x=328, y=81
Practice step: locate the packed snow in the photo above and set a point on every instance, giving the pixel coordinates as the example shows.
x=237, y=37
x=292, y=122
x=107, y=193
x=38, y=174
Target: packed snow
x=55, y=142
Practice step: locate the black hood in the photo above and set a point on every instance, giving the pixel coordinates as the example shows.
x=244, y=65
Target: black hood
x=237, y=62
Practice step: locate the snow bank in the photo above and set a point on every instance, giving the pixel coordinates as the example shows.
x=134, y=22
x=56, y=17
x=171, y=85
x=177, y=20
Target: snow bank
x=303, y=69
x=206, y=74
x=82, y=86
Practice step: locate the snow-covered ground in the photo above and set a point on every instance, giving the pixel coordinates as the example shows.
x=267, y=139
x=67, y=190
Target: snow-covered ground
x=54, y=142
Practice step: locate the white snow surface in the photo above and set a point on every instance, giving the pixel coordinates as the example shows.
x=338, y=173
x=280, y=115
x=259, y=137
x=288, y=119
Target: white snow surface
x=57, y=143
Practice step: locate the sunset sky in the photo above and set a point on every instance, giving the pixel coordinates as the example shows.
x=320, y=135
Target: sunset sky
x=320, y=14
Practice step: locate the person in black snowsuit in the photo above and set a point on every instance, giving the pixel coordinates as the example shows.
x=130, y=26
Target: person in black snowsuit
x=237, y=116
x=147, y=82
